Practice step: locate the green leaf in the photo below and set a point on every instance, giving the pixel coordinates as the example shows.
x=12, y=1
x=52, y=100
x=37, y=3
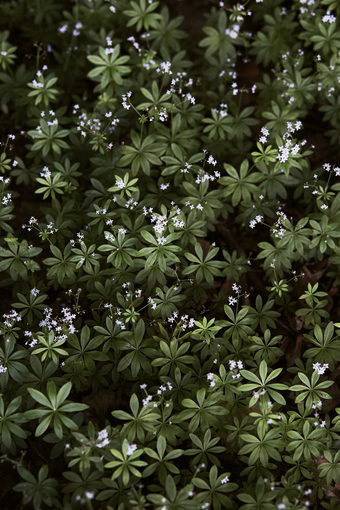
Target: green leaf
x=39, y=397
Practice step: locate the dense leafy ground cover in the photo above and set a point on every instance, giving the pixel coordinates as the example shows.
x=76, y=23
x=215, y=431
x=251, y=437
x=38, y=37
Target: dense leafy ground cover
x=169, y=254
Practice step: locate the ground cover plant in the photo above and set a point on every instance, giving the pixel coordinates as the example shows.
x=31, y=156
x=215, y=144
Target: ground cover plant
x=169, y=254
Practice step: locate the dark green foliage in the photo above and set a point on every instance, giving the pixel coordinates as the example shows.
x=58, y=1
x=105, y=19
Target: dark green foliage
x=169, y=255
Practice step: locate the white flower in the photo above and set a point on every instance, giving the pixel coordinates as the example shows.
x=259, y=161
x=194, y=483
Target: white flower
x=164, y=68
x=120, y=184
x=146, y=400
x=329, y=18
x=283, y=154
x=164, y=186
x=234, y=32
x=320, y=369
x=211, y=160
x=131, y=448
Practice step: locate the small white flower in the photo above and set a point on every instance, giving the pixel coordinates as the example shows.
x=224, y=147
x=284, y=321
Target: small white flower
x=329, y=18
x=131, y=448
x=63, y=28
x=320, y=369
x=211, y=160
